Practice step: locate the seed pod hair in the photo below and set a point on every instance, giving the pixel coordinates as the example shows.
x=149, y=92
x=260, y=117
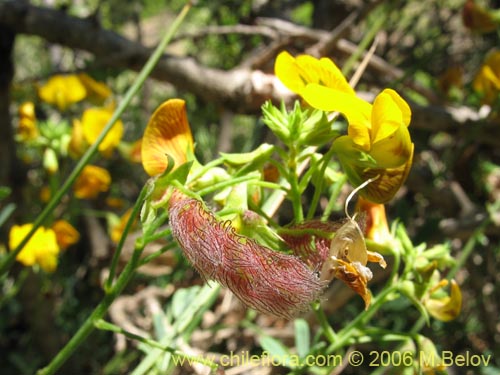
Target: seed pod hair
x=268, y=281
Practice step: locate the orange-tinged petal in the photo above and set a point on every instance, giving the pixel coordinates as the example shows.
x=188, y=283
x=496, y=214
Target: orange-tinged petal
x=376, y=226
x=62, y=90
x=66, y=234
x=92, y=181
x=93, y=122
x=167, y=133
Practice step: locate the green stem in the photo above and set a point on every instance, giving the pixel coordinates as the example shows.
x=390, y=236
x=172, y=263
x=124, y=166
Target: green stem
x=319, y=187
x=337, y=186
x=116, y=256
x=88, y=326
x=293, y=180
x=328, y=331
x=103, y=325
x=224, y=184
x=349, y=330
x=8, y=260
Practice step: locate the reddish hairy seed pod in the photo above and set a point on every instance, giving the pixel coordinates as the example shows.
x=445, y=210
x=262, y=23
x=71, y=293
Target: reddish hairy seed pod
x=268, y=281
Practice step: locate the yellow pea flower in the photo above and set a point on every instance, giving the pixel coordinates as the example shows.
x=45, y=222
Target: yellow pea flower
x=448, y=307
x=167, y=133
x=93, y=121
x=41, y=249
x=62, y=91
x=377, y=143
x=92, y=181
x=487, y=80
x=66, y=234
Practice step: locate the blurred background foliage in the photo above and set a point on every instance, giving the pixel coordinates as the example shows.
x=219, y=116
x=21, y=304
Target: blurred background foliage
x=452, y=191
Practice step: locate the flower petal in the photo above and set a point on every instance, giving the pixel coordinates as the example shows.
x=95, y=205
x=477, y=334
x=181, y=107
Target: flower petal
x=62, y=90
x=296, y=73
x=389, y=112
x=356, y=110
x=167, y=132
x=93, y=122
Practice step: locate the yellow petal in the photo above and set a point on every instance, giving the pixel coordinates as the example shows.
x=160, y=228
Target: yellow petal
x=389, y=112
x=62, y=90
x=446, y=308
x=356, y=110
x=296, y=73
x=93, y=122
x=394, y=150
x=167, y=133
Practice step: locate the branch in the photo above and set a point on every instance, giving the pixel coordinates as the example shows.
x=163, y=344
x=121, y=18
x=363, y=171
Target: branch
x=241, y=89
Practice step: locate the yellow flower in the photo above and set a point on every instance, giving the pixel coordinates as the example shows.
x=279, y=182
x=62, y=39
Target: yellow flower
x=62, y=91
x=377, y=144
x=97, y=92
x=93, y=121
x=376, y=227
x=27, y=128
x=41, y=249
x=66, y=234
x=487, y=81
x=167, y=133
x=92, y=181
x=445, y=308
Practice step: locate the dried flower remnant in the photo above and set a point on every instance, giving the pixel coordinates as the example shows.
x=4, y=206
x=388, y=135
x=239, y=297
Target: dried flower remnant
x=348, y=256
x=268, y=281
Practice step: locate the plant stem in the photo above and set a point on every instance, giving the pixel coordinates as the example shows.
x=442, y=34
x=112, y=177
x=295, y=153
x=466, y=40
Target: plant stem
x=128, y=225
x=98, y=313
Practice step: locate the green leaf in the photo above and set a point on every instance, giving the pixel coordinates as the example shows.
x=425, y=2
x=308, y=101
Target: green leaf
x=276, y=350
x=302, y=337
x=259, y=155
